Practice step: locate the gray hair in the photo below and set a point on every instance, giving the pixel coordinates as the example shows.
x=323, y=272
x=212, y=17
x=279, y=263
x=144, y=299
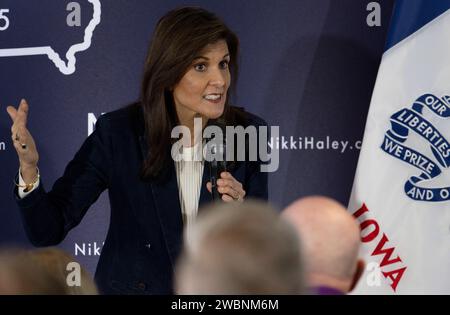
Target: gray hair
x=241, y=248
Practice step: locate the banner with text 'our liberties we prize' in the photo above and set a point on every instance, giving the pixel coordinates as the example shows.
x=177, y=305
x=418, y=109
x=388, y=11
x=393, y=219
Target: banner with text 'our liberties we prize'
x=401, y=191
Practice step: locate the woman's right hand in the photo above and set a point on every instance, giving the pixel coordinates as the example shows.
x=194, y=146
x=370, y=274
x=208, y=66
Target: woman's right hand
x=23, y=142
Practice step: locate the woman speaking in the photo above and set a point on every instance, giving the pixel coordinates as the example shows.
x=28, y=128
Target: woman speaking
x=191, y=63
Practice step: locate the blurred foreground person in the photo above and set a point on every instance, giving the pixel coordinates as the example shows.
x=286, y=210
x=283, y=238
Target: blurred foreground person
x=240, y=248
x=20, y=275
x=66, y=270
x=330, y=241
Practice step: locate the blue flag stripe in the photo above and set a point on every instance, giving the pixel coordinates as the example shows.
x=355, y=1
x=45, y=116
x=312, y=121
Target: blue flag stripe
x=411, y=15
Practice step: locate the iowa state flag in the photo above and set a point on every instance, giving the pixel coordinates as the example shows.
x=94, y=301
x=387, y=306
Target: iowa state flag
x=401, y=191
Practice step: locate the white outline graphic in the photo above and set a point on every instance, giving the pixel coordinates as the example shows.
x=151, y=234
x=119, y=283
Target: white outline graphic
x=53, y=55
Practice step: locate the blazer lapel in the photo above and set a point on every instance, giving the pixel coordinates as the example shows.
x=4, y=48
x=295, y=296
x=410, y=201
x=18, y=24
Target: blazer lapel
x=165, y=195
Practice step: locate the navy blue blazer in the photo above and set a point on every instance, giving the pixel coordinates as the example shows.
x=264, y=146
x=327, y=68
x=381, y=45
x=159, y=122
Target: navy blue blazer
x=146, y=228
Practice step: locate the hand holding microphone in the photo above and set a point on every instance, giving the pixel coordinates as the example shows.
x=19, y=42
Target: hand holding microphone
x=229, y=187
x=222, y=185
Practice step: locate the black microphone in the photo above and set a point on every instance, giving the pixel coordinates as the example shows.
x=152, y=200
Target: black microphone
x=216, y=167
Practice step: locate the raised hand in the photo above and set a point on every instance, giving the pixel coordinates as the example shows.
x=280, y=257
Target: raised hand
x=23, y=141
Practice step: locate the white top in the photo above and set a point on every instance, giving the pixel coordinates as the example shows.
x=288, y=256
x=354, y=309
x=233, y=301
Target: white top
x=189, y=178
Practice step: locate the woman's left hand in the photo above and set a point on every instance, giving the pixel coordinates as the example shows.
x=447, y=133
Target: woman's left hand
x=229, y=187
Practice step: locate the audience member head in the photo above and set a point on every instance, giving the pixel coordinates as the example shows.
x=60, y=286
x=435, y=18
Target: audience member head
x=19, y=275
x=66, y=270
x=330, y=239
x=240, y=248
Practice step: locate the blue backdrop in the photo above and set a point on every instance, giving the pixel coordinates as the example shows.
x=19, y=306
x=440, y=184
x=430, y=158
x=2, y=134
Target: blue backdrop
x=308, y=66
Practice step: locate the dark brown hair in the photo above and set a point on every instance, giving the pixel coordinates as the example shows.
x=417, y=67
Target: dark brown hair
x=179, y=37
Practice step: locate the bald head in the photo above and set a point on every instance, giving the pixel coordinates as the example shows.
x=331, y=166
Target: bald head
x=330, y=238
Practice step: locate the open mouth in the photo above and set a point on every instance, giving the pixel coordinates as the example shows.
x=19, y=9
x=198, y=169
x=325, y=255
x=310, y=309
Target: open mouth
x=214, y=97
